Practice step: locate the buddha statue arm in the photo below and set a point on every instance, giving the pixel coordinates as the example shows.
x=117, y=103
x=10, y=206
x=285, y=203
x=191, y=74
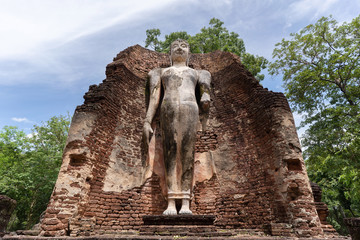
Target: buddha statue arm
x=155, y=91
x=204, y=83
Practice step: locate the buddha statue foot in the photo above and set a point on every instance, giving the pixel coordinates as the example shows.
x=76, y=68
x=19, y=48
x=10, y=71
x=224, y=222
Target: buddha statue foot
x=170, y=211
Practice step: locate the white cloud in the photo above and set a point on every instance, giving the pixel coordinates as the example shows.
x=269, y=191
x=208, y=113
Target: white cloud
x=30, y=26
x=32, y=134
x=54, y=41
x=314, y=8
x=20, y=119
x=33, y=33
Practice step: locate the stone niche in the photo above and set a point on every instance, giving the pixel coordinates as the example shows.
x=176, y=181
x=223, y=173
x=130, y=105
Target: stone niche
x=249, y=170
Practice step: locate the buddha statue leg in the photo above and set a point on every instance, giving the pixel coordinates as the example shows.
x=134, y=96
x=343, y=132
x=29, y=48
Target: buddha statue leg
x=189, y=120
x=169, y=123
x=179, y=124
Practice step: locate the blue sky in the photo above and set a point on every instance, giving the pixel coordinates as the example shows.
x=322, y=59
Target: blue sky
x=51, y=51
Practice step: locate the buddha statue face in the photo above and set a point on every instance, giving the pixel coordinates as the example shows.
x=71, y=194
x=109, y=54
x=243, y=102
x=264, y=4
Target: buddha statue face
x=179, y=51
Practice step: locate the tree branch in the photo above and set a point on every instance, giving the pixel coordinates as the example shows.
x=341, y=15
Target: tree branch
x=330, y=45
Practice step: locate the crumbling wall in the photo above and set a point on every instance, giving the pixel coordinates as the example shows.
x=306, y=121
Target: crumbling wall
x=249, y=170
x=7, y=206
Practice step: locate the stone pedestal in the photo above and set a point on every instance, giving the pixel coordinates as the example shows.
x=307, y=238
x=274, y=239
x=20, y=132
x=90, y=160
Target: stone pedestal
x=181, y=225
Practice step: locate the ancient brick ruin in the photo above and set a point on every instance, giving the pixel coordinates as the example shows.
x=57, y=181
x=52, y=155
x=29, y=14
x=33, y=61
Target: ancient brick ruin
x=249, y=168
x=7, y=206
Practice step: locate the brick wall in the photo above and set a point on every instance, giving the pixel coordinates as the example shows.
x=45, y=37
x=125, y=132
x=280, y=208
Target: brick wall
x=249, y=168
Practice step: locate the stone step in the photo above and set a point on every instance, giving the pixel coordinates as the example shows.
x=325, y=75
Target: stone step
x=181, y=225
x=159, y=237
x=153, y=229
x=179, y=220
x=183, y=230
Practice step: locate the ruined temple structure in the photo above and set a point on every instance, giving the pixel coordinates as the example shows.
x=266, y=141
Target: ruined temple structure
x=7, y=206
x=249, y=170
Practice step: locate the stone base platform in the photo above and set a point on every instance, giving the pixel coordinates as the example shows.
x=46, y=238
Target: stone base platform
x=183, y=230
x=191, y=227
x=181, y=225
x=143, y=237
x=172, y=220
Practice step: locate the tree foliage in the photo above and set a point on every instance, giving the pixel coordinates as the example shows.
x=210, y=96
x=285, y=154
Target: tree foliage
x=214, y=37
x=29, y=165
x=320, y=65
x=321, y=73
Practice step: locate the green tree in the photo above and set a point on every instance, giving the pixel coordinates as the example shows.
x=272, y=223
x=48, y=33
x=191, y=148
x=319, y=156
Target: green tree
x=321, y=74
x=214, y=37
x=152, y=39
x=29, y=166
